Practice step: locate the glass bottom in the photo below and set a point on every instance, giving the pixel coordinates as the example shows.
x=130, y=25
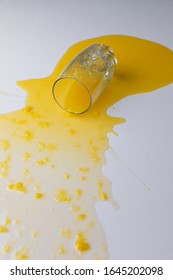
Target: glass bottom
x=71, y=95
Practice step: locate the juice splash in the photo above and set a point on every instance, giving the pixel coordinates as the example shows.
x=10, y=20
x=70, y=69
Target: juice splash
x=51, y=161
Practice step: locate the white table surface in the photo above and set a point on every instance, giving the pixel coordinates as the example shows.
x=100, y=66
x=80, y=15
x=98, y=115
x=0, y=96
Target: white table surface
x=33, y=36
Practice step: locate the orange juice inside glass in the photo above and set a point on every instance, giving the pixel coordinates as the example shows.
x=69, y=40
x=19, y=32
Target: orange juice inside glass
x=84, y=78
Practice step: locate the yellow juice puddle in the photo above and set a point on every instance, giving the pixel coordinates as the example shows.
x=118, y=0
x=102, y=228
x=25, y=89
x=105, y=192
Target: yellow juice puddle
x=63, y=155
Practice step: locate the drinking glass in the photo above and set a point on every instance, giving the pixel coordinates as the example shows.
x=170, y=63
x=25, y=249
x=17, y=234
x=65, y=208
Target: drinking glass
x=84, y=78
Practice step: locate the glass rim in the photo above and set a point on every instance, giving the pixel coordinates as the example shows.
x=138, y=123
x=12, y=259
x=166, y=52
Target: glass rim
x=77, y=80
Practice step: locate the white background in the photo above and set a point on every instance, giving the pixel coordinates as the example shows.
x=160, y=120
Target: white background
x=33, y=36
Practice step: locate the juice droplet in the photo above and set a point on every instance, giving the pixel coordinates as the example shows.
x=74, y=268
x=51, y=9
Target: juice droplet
x=19, y=186
x=81, y=244
x=22, y=254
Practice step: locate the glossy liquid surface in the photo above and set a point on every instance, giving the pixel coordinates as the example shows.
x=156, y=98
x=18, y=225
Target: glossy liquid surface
x=51, y=161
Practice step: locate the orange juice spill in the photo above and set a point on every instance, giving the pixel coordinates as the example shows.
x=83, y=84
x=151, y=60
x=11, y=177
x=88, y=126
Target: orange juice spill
x=64, y=154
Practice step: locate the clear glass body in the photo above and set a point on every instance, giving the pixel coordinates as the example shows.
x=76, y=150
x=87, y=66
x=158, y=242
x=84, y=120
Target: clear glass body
x=84, y=78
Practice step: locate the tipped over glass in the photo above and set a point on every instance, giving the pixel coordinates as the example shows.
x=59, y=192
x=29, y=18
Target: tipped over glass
x=84, y=78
